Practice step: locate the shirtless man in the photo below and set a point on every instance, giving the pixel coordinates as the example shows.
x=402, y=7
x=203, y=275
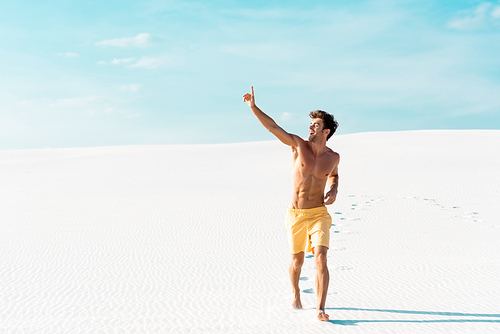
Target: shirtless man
x=308, y=221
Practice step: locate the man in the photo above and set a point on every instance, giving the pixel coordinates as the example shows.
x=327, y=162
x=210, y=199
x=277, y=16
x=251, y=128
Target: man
x=308, y=221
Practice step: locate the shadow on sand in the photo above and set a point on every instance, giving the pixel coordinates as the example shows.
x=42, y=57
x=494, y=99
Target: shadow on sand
x=486, y=318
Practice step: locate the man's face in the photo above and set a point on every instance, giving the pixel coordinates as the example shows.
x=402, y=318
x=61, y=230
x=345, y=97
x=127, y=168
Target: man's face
x=316, y=129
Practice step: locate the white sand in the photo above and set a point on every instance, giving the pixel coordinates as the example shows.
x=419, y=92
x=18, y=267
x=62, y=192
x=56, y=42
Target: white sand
x=191, y=239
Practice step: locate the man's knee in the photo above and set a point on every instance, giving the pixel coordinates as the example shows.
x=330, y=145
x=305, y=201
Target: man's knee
x=321, y=256
x=298, y=260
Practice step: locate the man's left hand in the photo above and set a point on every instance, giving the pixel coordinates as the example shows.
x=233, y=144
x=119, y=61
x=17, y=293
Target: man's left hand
x=330, y=197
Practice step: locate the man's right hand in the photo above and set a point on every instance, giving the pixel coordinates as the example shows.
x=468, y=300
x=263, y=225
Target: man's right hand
x=249, y=98
x=269, y=123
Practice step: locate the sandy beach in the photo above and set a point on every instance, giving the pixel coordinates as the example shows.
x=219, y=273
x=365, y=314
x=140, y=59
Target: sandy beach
x=191, y=238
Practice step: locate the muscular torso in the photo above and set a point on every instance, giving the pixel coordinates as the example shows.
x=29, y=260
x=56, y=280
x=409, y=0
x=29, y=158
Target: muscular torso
x=310, y=175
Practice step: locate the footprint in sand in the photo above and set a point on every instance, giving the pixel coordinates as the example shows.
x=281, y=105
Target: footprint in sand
x=343, y=232
x=472, y=216
x=363, y=202
x=311, y=290
x=344, y=268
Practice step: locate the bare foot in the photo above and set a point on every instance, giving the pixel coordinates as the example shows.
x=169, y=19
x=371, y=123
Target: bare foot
x=322, y=316
x=296, y=304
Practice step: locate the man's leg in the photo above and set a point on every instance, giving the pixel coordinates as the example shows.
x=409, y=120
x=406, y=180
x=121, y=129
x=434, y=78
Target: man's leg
x=295, y=268
x=322, y=280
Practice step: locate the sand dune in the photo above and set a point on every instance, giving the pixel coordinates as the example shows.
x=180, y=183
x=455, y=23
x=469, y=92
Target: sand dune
x=190, y=239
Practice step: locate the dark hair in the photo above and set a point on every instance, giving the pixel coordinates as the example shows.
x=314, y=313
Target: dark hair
x=328, y=121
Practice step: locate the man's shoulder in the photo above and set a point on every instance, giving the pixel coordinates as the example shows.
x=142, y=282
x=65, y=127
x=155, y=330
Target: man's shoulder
x=332, y=152
x=300, y=142
x=333, y=156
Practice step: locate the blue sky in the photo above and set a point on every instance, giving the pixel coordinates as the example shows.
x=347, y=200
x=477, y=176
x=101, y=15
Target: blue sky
x=92, y=73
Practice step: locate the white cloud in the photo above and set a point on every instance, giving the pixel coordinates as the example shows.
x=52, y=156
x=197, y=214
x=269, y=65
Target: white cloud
x=482, y=16
x=92, y=106
x=36, y=103
x=265, y=51
x=151, y=63
x=116, y=61
x=130, y=88
x=495, y=13
x=74, y=102
x=141, y=40
x=68, y=54
x=148, y=62
x=115, y=110
x=287, y=116
x=135, y=115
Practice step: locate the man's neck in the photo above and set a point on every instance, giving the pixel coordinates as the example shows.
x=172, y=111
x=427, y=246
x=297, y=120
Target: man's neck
x=318, y=148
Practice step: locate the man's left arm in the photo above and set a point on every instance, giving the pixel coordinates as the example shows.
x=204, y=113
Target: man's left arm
x=333, y=184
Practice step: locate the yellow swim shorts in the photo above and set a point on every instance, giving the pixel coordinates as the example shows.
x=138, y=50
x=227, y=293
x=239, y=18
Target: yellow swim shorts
x=308, y=228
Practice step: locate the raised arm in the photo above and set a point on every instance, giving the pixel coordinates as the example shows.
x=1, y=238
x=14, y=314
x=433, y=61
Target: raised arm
x=285, y=137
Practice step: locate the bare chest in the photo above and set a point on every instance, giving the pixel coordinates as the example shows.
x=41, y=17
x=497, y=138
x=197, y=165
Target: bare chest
x=307, y=164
